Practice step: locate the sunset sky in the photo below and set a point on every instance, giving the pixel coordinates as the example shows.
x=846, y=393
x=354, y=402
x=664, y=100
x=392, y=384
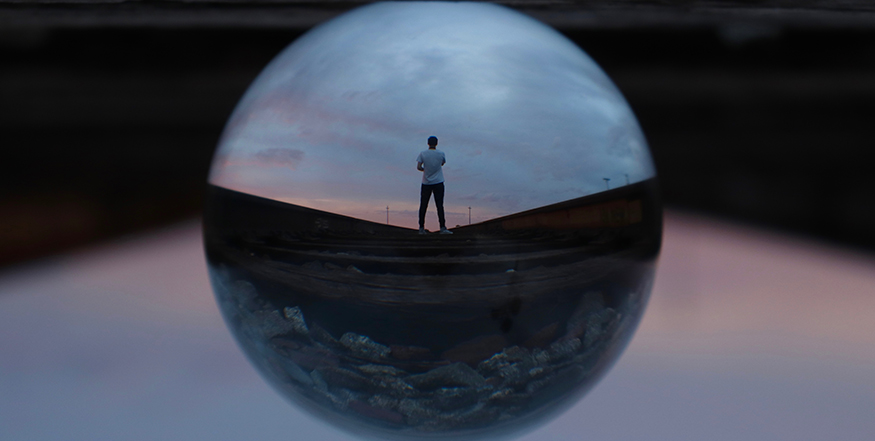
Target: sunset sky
x=336, y=121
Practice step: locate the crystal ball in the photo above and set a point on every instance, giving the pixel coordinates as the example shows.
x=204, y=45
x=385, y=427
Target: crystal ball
x=432, y=220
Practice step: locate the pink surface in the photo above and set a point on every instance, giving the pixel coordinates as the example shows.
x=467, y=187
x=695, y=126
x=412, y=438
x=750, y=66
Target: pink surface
x=748, y=336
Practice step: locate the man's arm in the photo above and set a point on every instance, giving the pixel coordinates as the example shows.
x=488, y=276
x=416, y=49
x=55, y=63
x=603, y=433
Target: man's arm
x=419, y=166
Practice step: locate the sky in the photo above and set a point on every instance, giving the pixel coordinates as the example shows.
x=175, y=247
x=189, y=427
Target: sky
x=335, y=122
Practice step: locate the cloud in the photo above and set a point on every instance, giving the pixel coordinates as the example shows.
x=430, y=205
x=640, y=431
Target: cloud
x=278, y=156
x=524, y=116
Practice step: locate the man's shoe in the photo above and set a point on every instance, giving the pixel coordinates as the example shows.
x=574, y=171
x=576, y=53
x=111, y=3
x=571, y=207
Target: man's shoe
x=446, y=231
x=422, y=231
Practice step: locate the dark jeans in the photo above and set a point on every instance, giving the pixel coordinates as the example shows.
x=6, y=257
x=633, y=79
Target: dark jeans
x=425, y=195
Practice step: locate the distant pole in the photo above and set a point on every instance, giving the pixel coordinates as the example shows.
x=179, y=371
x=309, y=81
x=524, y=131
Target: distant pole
x=627, y=178
x=607, y=186
x=387, y=215
x=469, y=215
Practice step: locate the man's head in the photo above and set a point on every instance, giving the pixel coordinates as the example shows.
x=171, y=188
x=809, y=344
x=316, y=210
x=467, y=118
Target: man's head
x=432, y=141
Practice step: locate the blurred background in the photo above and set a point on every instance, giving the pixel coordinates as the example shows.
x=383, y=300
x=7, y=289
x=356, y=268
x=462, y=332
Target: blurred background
x=759, y=117
x=759, y=112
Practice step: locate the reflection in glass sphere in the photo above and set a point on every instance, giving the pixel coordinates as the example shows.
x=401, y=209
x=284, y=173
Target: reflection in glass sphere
x=349, y=308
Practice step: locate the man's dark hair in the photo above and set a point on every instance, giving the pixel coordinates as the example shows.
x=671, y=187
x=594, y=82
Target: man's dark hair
x=432, y=141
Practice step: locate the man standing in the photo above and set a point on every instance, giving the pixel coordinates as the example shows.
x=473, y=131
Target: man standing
x=430, y=162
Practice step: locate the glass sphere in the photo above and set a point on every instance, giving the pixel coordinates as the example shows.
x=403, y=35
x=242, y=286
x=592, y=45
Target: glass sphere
x=401, y=286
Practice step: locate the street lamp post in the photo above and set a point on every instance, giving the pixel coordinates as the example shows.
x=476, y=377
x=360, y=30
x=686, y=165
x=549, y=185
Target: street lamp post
x=469, y=215
x=607, y=185
x=387, y=215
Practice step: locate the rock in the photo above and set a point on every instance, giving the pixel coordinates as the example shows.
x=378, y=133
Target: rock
x=284, y=345
x=339, y=378
x=417, y=408
x=543, y=337
x=509, y=414
x=474, y=351
x=587, y=360
x=309, y=357
x=272, y=323
x=374, y=412
x=452, y=398
x=596, y=325
x=558, y=383
x=516, y=353
x=339, y=400
x=295, y=372
x=563, y=349
x=494, y=382
x=380, y=370
x=494, y=363
x=508, y=399
x=313, y=265
x=506, y=357
x=245, y=295
x=511, y=365
x=296, y=319
x=332, y=266
x=536, y=372
x=501, y=394
x=541, y=357
x=363, y=346
x=410, y=352
x=394, y=387
x=474, y=416
x=318, y=382
x=449, y=409
x=590, y=303
x=274, y=366
x=514, y=374
x=383, y=402
x=320, y=335
x=454, y=375
x=398, y=388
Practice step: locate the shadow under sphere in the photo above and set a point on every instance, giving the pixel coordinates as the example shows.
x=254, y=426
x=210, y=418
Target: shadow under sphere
x=311, y=222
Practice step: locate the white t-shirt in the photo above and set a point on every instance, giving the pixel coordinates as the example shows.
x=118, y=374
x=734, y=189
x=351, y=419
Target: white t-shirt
x=432, y=161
